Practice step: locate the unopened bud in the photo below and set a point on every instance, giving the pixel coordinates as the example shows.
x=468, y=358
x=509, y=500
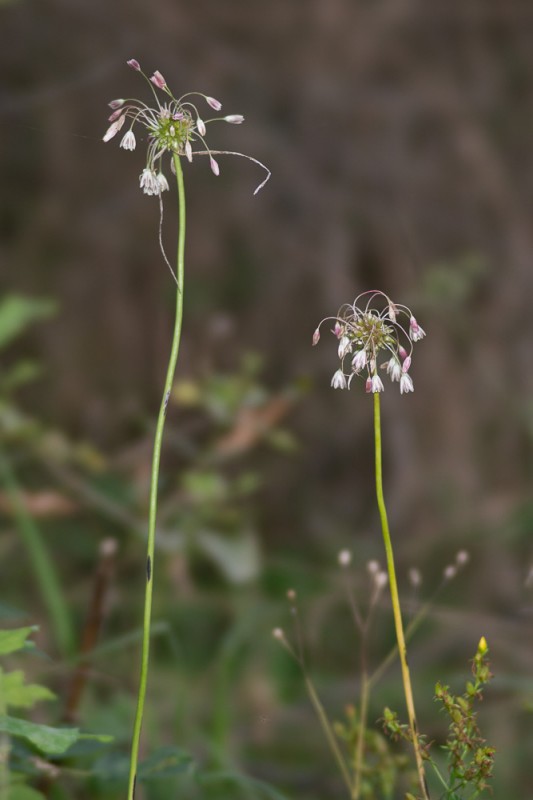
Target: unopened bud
x=316, y=337
x=215, y=169
x=214, y=103
x=234, y=119
x=278, y=634
x=291, y=595
x=373, y=567
x=134, y=64
x=158, y=80
x=450, y=572
x=415, y=578
x=462, y=558
x=345, y=558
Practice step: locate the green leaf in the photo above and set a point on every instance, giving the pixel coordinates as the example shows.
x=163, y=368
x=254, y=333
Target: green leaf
x=22, y=792
x=18, y=312
x=236, y=556
x=264, y=790
x=20, y=695
x=52, y=741
x=11, y=641
x=163, y=763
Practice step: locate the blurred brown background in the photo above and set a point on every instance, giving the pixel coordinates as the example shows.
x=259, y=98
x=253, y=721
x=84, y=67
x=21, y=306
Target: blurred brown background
x=399, y=135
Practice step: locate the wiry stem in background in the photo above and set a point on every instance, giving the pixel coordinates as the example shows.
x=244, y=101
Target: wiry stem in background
x=396, y=601
x=154, y=482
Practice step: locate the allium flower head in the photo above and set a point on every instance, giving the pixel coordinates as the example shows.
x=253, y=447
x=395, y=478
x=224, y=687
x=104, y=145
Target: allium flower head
x=379, y=333
x=173, y=125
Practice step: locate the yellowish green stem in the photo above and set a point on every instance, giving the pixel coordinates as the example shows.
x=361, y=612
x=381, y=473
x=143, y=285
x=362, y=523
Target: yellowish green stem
x=145, y=654
x=402, y=651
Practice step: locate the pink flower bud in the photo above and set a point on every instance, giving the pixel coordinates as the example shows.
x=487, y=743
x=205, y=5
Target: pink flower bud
x=403, y=352
x=214, y=103
x=214, y=166
x=338, y=330
x=368, y=385
x=134, y=64
x=188, y=151
x=316, y=337
x=116, y=114
x=116, y=103
x=406, y=364
x=200, y=124
x=158, y=80
x=234, y=119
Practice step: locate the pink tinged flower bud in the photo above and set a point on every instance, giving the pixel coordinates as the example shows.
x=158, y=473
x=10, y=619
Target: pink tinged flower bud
x=128, y=141
x=234, y=119
x=393, y=311
x=114, y=128
x=158, y=80
x=338, y=380
x=338, y=330
x=116, y=103
x=215, y=169
x=345, y=346
x=134, y=64
x=178, y=115
x=214, y=103
x=359, y=360
x=200, y=124
x=115, y=115
x=406, y=384
x=406, y=364
x=368, y=385
x=188, y=151
x=403, y=352
x=415, y=331
x=316, y=337
x=377, y=384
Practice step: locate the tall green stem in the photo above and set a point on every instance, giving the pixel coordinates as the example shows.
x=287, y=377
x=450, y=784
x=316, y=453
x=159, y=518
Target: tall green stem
x=396, y=600
x=145, y=654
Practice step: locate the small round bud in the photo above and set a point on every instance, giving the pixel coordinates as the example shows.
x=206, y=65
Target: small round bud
x=291, y=595
x=450, y=572
x=345, y=558
x=373, y=567
x=415, y=577
x=278, y=634
x=381, y=580
x=462, y=558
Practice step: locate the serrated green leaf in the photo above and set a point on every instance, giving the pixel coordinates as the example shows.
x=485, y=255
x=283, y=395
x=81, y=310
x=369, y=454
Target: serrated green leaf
x=52, y=741
x=18, y=694
x=11, y=641
x=18, y=312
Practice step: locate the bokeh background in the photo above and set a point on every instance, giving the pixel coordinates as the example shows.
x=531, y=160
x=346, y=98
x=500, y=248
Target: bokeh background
x=399, y=137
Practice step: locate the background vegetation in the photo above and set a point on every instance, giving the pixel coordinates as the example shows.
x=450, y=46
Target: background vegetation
x=399, y=137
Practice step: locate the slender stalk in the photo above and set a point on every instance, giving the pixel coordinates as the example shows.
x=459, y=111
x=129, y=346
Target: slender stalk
x=360, y=747
x=396, y=600
x=328, y=732
x=154, y=483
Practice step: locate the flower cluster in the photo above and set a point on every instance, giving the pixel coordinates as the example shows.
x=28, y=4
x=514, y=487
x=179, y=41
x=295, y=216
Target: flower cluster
x=174, y=126
x=370, y=337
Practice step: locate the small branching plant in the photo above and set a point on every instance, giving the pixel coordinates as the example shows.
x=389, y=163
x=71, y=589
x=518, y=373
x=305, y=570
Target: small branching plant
x=470, y=760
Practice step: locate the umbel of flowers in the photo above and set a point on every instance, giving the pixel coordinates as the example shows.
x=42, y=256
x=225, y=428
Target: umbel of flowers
x=173, y=125
x=373, y=333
